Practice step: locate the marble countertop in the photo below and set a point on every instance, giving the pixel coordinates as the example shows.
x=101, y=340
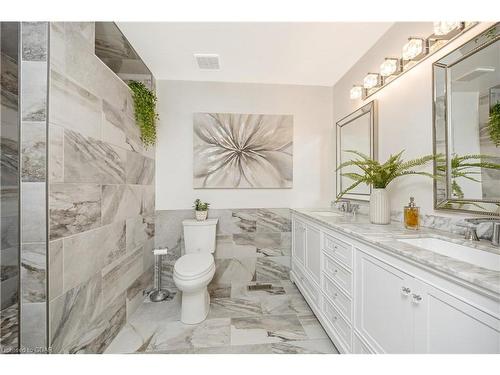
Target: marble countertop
x=386, y=237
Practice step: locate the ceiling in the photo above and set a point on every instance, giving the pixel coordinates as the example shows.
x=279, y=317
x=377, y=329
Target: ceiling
x=283, y=53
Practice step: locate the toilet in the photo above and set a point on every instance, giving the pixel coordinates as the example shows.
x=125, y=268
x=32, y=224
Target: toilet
x=194, y=270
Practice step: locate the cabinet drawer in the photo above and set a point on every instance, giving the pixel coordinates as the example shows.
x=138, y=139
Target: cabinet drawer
x=338, y=298
x=339, y=325
x=311, y=290
x=338, y=273
x=338, y=249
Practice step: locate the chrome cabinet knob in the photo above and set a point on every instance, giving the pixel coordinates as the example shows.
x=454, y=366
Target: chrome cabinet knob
x=405, y=290
x=416, y=298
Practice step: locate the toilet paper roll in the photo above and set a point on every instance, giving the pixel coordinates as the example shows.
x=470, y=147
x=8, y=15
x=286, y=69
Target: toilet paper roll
x=162, y=251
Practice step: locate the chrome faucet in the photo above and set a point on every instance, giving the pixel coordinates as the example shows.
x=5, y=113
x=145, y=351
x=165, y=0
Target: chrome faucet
x=345, y=206
x=471, y=229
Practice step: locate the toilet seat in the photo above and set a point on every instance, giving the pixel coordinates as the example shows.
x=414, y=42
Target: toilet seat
x=194, y=266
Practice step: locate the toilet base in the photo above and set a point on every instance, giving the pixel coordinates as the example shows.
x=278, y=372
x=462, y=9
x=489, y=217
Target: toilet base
x=195, y=306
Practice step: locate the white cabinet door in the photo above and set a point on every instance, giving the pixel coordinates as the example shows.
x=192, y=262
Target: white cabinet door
x=383, y=312
x=445, y=324
x=313, y=252
x=299, y=230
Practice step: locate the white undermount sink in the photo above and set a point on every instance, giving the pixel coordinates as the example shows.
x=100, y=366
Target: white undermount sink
x=460, y=252
x=326, y=213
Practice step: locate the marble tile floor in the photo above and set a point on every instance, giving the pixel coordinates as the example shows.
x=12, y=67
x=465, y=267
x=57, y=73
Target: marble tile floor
x=241, y=321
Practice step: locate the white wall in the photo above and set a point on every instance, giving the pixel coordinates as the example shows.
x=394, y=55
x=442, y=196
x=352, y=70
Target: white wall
x=404, y=107
x=313, y=146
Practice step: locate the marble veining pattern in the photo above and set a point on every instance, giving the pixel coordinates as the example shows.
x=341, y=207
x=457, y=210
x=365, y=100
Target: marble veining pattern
x=239, y=324
x=386, y=237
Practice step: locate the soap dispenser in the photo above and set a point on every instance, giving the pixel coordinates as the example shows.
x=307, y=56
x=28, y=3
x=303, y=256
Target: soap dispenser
x=411, y=217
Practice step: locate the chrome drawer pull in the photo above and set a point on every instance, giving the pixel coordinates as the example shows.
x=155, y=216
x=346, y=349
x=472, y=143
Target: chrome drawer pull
x=416, y=298
x=405, y=291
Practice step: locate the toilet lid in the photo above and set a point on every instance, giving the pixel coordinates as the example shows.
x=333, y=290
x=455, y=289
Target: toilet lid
x=191, y=265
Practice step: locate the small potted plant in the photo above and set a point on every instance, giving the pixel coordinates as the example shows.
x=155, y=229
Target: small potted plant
x=201, y=209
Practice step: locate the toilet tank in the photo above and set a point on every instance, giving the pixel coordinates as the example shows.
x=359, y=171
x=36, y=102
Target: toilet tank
x=199, y=236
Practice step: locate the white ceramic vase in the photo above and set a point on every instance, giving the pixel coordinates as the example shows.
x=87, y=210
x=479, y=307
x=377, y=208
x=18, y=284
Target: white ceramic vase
x=380, y=208
x=201, y=215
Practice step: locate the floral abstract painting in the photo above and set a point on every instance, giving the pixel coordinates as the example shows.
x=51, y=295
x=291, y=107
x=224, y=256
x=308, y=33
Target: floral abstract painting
x=243, y=150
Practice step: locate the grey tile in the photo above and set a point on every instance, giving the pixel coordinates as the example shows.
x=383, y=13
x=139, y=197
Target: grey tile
x=209, y=333
x=56, y=269
x=33, y=151
x=139, y=230
x=98, y=247
x=273, y=268
x=148, y=200
x=90, y=160
x=139, y=169
x=232, y=270
x=33, y=221
x=266, y=329
x=312, y=326
x=56, y=154
x=233, y=307
x=228, y=246
x=120, y=129
x=33, y=332
x=34, y=41
x=219, y=290
x=34, y=91
x=273, y=220
x=135, y=291
x=285, y=304
x=118, y=276
x=73, y=208
x=236, y=349
x=33, y=272
x=319, y=346
x=120, y=202
x=73, y=107
x=242, y=291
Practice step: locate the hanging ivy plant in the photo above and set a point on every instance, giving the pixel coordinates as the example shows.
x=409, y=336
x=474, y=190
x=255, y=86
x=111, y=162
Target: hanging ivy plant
x=494, y=124
x=145, y=111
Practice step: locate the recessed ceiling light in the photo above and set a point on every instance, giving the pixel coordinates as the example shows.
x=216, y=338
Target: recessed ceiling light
x=207, y=61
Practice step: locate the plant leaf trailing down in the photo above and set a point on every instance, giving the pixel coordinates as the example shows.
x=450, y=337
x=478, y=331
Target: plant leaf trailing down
x=380, y=175
x=494, y=124
x=145, y=111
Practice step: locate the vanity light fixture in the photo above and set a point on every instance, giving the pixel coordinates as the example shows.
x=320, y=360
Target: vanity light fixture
x=356, y=92
x=443, y=28
x=389, y=67
x=414, y=49
x=371, y=80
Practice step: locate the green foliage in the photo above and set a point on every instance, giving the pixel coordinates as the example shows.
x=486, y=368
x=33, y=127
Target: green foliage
x=494, y=124
x=465, y=166
x=380, y=175
x=145, y=111
x=200, y=206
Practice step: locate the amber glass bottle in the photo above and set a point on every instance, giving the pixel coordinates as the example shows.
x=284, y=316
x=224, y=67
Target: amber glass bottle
x=411, y=217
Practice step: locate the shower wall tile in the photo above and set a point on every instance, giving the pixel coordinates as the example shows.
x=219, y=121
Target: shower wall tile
x=74, y=208
x=87, y=253
x=120, y=202
x=101, y=196
x=33, y=272
x=73, y=107
x=34, y=41
x=91, y=160
x=33, y=151
x=33, y=220
x=139, y=169
x=56, y=153
x=34, y=90
x=56, y=269
x=33, y=327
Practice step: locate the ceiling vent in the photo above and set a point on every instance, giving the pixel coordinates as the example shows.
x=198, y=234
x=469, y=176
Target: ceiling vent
x=207, y=61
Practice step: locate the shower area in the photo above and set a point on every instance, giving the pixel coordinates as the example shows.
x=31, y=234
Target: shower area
x=77, y=213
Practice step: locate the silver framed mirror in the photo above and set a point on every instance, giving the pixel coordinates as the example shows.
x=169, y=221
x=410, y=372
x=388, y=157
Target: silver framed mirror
x=356, y=131
x=466, y=94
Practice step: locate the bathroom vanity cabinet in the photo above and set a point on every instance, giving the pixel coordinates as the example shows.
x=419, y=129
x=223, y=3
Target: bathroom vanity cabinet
x=371, y=301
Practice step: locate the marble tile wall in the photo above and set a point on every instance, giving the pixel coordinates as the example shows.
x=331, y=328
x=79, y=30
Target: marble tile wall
x=101, y=197
x=34, y=82
x=252, y=244
x=9, y=185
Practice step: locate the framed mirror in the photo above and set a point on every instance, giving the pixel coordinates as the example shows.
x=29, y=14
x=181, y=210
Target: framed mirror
x=466, y=111
x=357, y=131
